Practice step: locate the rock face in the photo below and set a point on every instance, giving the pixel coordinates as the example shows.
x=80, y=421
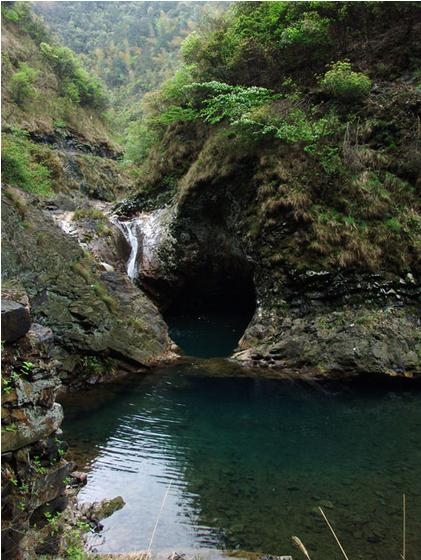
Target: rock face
x=101, y=321
x=327, y=321
x=336, y=323
x=33, y=465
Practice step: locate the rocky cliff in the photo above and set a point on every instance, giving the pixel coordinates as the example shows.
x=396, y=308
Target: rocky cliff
x=34, y=469
x=305, y=185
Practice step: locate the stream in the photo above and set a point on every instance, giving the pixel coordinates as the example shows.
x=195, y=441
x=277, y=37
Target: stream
x=249, y=461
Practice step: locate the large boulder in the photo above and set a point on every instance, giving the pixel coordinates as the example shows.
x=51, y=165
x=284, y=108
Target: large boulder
x=15, y=320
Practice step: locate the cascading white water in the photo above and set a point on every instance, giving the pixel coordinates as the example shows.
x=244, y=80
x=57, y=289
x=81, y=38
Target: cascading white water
x=143, y=233
x=130, y=231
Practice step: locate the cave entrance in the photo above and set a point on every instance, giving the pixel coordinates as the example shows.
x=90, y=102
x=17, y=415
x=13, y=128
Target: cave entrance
x=211, y=312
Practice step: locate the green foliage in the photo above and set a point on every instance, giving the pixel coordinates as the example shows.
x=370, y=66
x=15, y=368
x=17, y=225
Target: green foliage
x=6, y=385
x=10, y=428
x=190, y=45
x=159, y=110
x=23, y=165
x=74, y=548
x=174, y=89
x=140, y=139
x=26, y=368
x=92, y=365
x=394, y=224
x=20, y=85
x=271, y=34
x=345, y=84
x=76, y=83
x=90, y=213
x=53, y=520
x=9, y=13
x=132, y=46
x=176, y=114
x=20, y=13
x=230, y=103
x=39, y=468
x=213, y=102
x=310, y=30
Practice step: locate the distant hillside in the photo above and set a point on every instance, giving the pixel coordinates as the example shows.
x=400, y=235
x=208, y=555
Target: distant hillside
x=132, y=46
x=44, y=85
x=54, y=134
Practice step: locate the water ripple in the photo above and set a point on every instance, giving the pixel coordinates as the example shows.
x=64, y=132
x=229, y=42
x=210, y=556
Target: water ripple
x=249, y=463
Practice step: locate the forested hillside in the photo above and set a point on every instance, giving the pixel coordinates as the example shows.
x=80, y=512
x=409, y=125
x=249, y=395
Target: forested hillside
x=132, y=46
x=43, y=82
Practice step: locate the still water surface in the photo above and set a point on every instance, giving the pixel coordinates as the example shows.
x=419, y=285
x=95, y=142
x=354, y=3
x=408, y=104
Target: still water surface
x=250, y=460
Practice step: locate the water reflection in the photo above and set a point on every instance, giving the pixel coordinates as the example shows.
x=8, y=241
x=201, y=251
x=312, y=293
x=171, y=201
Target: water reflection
x=250, y=460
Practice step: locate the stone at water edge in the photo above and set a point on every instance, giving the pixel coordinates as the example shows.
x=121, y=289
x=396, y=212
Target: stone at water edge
x=97, y=511
x=79, y=478
x=15, y=320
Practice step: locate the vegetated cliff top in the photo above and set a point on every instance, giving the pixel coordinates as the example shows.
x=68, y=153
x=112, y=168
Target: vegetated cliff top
x=307, y=115
x=44, y=85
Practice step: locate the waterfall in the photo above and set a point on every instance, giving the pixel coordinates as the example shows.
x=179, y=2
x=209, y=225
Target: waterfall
x=143, y=234
x=130, y=232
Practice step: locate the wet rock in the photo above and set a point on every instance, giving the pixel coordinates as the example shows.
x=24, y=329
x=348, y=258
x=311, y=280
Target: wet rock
x=90, y=313
x=97, y=511
x=15, y=320
x=41, y=392
x=107, y=267
x=78, y=478
x=50, y=485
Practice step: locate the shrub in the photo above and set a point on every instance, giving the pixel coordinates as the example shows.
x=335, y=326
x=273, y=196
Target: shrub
x=90, y=213
x=20, y=165
x=10, y=14
x=20, y=86
x=310, y=30
x=140, y=139
x=190, y=46
x=77, y=84
x=394, y=224
x=345, y=84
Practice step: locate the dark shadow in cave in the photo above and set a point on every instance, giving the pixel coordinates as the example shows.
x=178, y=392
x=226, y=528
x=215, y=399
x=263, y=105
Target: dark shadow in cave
x=211, y=311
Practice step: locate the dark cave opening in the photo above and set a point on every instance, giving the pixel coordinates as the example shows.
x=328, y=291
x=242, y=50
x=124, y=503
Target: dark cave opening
x=211, y=311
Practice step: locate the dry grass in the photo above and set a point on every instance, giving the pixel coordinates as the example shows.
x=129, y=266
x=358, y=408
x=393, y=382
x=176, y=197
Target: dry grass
x=298, y=543
x=18, y=201
x=84, y=272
